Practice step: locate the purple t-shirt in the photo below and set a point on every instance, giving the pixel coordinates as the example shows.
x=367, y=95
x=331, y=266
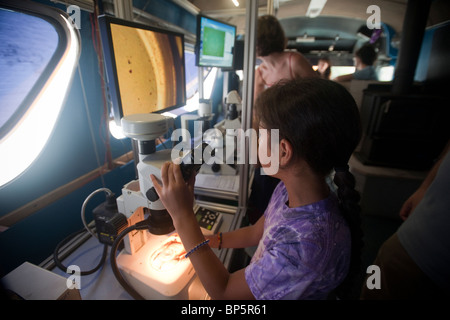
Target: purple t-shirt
x=304, y=252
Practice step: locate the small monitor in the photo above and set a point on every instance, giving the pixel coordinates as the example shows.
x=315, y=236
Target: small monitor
x=145, y=67
x=215, y=43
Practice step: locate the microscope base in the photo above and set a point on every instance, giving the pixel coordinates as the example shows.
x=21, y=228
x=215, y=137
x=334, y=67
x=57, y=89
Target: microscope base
x=156, y=281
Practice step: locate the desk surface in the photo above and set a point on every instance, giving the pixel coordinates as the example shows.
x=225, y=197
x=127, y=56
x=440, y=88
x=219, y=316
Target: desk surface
x=102, y=285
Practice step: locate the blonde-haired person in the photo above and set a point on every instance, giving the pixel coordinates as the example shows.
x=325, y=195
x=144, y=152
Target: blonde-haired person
x=324, y=67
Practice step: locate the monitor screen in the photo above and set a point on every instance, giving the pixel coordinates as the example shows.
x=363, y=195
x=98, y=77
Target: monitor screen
x=215, y=43
x=145, y=67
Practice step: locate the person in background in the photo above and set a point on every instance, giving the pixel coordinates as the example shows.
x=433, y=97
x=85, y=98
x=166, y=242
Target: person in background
x=415, y=261
x=309, y=238
x=276, y=64
x=324, y=67
x=364, y=59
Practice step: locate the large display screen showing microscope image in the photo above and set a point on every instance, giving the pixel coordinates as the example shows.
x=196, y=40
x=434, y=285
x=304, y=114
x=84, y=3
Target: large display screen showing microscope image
x=150, y=69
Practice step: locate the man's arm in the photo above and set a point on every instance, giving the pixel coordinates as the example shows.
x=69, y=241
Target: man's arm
x=412, y=202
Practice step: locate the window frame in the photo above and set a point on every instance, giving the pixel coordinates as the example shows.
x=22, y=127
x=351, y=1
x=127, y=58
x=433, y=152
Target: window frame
x=36, y=118
x=52, y=17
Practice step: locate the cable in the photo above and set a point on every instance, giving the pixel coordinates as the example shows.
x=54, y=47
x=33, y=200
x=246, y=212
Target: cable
x=67, y=239
x=138, y=226
x=83, y=208
x=86, y=228
x=86, y=105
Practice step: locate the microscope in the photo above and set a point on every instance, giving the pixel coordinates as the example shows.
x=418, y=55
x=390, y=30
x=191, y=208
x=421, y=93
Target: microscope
x=152, y=261
x=218, y=138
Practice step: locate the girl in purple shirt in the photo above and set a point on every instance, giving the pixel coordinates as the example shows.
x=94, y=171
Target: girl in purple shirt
x=304, y=252
x=309, y=238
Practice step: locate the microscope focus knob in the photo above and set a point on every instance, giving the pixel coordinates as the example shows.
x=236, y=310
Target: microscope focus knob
x=215, y=167
x=152, y=195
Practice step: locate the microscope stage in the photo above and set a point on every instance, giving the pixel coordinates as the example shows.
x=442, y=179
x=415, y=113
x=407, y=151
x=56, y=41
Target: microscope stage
x=158, y=268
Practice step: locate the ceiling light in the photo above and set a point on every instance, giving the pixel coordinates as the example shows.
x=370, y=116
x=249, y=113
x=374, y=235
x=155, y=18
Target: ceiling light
x=315, y=8
x=236, y=3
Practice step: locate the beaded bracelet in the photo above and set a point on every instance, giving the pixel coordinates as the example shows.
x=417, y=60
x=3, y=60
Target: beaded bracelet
x=220, y=238
x=196, y=247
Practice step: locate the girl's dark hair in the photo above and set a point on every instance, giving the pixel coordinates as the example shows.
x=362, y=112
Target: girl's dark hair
x=270, y=36
x=320, y=119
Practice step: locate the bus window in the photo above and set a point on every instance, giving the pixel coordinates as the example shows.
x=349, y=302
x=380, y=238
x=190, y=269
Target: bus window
x=39, y=50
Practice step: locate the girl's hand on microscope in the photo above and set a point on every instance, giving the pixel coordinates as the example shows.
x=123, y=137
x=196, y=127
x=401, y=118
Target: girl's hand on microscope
x=176, y=194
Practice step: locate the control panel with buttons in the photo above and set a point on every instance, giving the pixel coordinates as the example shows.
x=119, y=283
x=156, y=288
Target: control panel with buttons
x=208, y=220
